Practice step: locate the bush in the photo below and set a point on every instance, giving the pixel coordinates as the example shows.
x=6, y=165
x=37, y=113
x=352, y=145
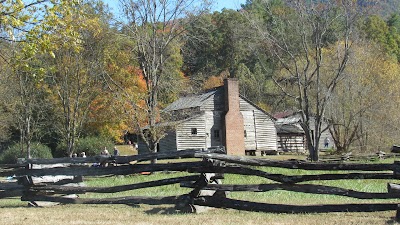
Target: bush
x=90, y=145
x=38, y=150
x=93, y=145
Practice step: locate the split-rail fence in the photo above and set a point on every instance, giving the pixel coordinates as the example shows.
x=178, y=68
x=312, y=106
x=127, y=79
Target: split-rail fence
x=207, y=189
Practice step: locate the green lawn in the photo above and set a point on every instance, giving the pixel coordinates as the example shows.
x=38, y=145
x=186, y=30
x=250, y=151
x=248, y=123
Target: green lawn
x=126, y=150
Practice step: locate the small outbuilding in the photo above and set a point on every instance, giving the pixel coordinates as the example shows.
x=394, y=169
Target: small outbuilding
x=291, y=136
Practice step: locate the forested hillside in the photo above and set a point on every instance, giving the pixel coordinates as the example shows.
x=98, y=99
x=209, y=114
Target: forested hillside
x=73, y=73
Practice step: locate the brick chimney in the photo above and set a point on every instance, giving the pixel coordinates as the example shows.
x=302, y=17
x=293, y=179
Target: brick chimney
x=234, y=126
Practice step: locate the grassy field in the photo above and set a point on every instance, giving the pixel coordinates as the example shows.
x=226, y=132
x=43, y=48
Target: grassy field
x=13, y=211
x=126, y=150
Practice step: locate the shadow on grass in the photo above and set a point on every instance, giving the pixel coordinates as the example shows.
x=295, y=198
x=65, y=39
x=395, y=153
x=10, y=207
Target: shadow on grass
x=13, y=206
x=133, y=205
x=392, y=220
x=163, y=211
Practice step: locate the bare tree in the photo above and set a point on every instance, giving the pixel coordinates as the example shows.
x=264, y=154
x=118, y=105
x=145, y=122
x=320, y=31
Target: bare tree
x=154, y=27
x=312, y=41
x=362, y=109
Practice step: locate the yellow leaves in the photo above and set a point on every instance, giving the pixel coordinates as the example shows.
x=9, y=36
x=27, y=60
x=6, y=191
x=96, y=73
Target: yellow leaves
x=60, y=26
x=374, y=64
x=10, y=34
x=94, y=25
x=373, y=74
x=16, y=22
x=264, y=106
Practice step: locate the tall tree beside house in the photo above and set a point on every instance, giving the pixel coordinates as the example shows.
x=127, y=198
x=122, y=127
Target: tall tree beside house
x=26, y=27
x=154, y=27
x=200, y=49
x=173, y=82
x=297, y=34
x=7, y=99
x=106, y=115
x=125, y=87
x=76, y=73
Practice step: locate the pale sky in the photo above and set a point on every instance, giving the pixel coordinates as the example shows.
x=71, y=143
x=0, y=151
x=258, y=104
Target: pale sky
x=229, y=4
x=217, y=5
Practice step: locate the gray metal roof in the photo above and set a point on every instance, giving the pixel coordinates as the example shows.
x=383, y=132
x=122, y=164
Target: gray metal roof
x=296, y=118
x=288, y=129
x=191, y=101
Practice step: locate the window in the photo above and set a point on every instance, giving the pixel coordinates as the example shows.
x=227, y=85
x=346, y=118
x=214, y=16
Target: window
x=194, y=131
x=245, y=133
x=216, y=133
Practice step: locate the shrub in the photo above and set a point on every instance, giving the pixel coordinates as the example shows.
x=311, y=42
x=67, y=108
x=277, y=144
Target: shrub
x=90, y=145
x=93, y=145
x=38, y=150
x=61, y=150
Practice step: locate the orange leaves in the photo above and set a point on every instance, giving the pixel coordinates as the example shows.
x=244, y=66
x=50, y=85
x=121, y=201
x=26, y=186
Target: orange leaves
x=213, y=82
x=141, y=82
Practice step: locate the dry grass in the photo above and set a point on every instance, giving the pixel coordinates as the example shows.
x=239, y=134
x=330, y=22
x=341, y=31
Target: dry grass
x=122, y=214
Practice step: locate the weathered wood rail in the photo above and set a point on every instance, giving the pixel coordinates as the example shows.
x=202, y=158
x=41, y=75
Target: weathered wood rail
x=357, y=157
x=206, y=186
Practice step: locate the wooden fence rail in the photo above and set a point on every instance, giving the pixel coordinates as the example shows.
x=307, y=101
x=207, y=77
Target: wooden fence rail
x=290, y=164
x=207, y=189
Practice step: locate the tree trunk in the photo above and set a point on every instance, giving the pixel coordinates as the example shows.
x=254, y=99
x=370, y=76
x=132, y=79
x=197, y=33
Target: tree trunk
x=154, y=149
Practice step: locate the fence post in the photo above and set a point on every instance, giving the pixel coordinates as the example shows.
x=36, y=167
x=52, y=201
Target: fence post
x=186, y=204
x=397, y=219
x=27, y=182
x=396, y=169
x=396, y=174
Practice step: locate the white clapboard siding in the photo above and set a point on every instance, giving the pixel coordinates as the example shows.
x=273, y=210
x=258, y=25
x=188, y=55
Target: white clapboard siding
x=184, y=137
x=249, y=127
x=265, y=131
x=291, y=143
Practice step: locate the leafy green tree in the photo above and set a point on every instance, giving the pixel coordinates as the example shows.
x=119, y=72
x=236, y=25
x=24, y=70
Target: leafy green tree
x=173, y=81
x=200, y=49
x=385, y=33
x=26, y=28
x=222, y=44
x=75, y=73
x=16, y=16
x=217, y=42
